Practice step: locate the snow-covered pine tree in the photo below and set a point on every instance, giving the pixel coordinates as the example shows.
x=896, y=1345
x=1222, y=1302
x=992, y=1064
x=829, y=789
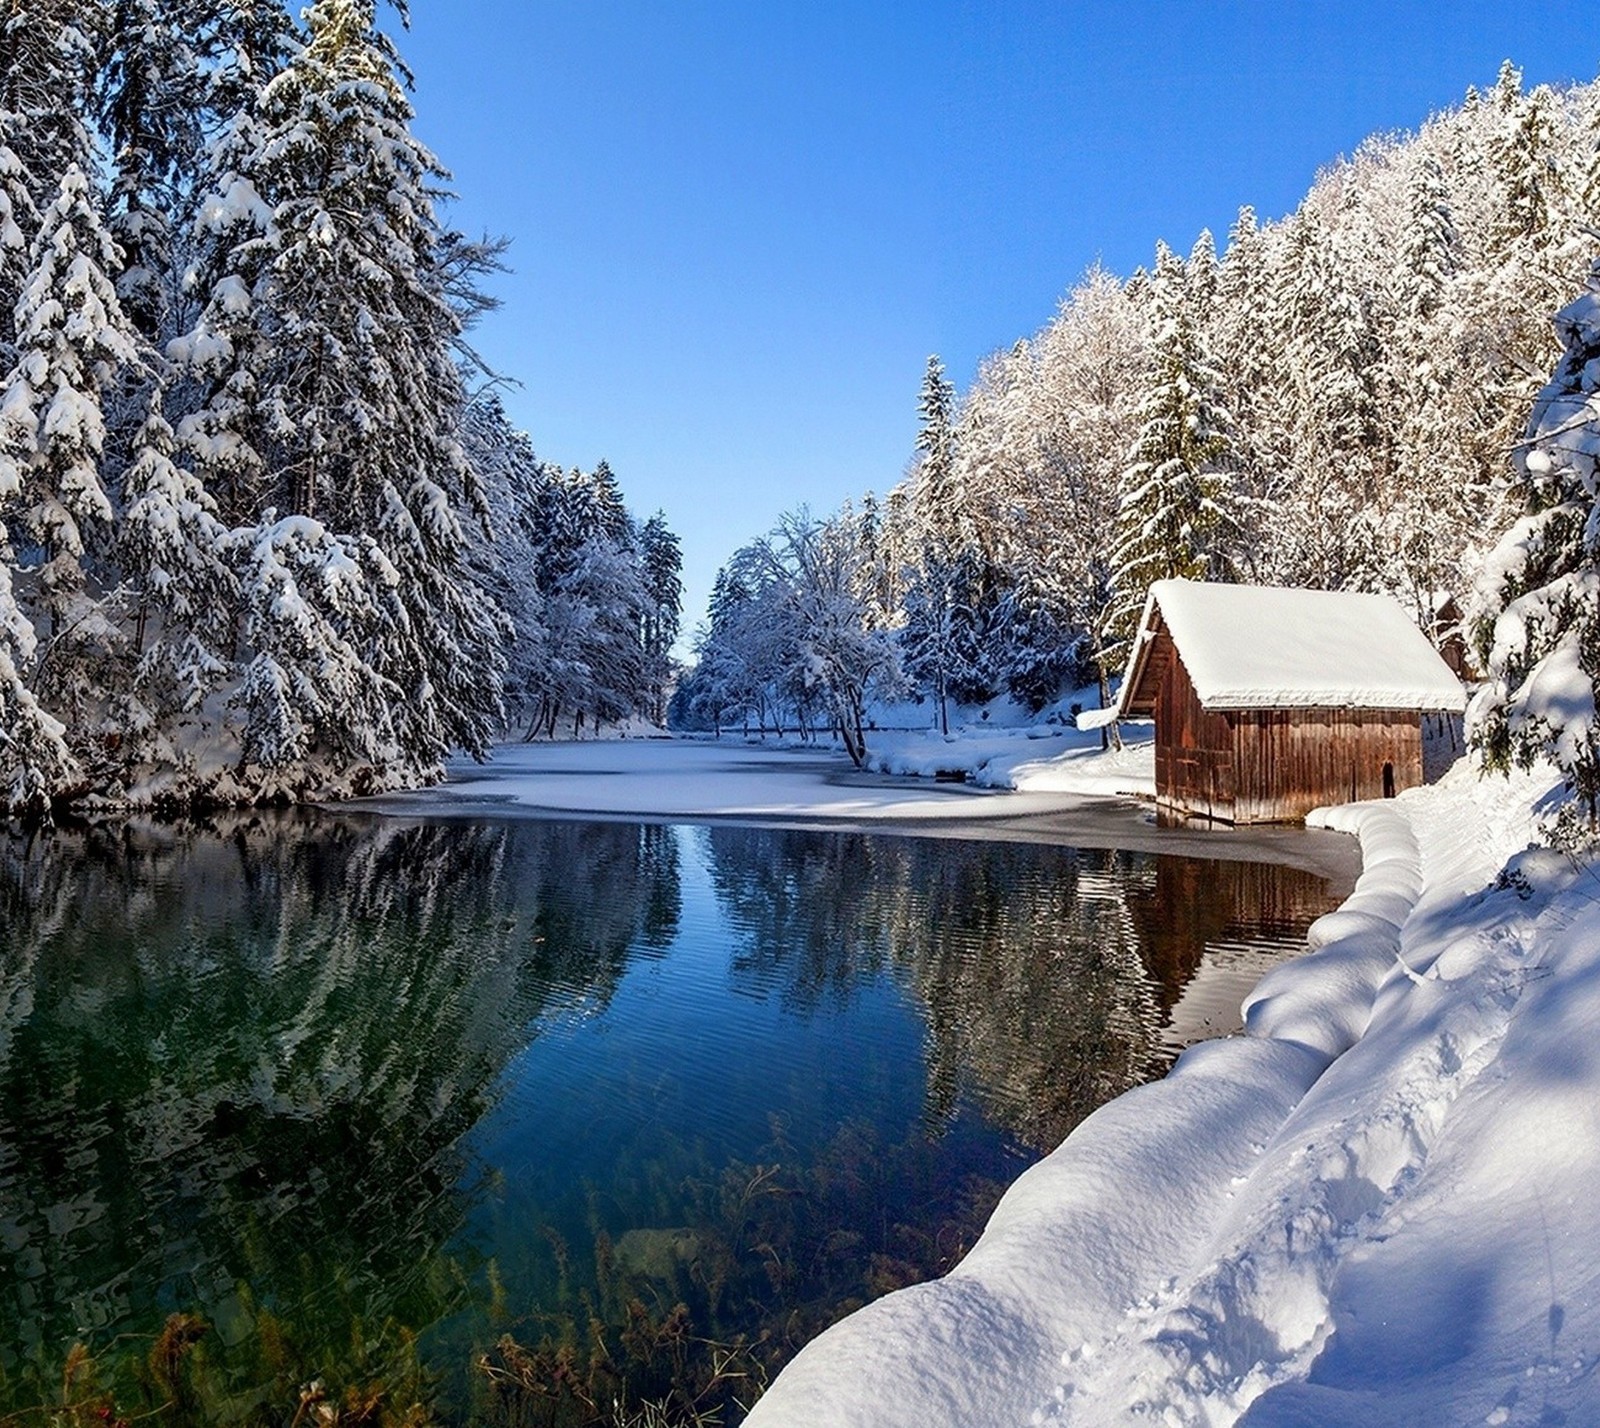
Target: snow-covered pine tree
x=245, y=44
x=1176, y=516
x=610, y=510
x=1430, y=257
x=1522, y=151
x=46, y=61
x=1538, y=618
x=48, y=57
x=1522, y=277
x=151, y=104
x=73, y=341
x=1588, y=185
x=1339, y=462
x=19, y=221
x=348, y=397
x=594, y=618
x=505, y=556
x=661, y=562
x=1435, y=501
x=880, y=578
x=229, y=347
x=1202, y=276
x=936, y=442
x=945, y=604
x=173, y=550
x=62, y=340
x=36, y=766
x=1246, y=345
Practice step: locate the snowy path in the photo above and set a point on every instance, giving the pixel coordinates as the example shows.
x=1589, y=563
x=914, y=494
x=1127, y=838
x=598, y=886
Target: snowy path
x=1377, y=1207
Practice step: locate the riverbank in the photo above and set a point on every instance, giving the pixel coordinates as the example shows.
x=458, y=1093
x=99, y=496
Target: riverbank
x=1376, y=1207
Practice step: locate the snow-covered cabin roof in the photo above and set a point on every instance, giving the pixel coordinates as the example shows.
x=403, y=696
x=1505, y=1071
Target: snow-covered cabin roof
x=1268, y=647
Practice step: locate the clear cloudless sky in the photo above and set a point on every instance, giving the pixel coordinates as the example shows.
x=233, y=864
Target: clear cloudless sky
x=739, y=229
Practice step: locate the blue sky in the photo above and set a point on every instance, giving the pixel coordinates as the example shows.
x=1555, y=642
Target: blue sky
x=739, y=229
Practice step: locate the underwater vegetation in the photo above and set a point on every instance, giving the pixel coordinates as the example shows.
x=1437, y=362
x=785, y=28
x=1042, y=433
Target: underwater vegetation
x=314, y=1119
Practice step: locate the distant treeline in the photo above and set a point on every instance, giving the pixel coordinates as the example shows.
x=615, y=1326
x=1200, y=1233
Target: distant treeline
x=1333, y=402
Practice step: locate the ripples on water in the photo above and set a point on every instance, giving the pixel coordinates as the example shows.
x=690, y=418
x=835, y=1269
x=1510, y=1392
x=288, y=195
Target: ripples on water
x=331, y=1083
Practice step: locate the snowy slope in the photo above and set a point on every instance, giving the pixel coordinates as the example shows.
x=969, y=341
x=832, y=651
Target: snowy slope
x=1376, y=1207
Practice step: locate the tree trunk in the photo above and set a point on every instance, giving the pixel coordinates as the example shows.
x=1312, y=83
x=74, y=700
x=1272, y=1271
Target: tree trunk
x=850, y=732
x=1110, y=734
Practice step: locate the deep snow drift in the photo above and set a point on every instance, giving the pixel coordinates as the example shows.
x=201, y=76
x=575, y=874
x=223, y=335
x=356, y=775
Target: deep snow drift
x=1376, y=1207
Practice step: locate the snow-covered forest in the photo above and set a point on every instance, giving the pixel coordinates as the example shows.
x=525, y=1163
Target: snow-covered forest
x=265, y=529
x=1333, y=402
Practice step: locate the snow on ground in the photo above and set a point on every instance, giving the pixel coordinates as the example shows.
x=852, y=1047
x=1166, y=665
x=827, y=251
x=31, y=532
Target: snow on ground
x=814, y=786
x=1038, y=758
x=1376, y=1207
x=730, y=778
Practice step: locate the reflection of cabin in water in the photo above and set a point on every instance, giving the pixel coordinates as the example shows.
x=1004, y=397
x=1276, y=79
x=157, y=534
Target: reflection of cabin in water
x=1271, y=702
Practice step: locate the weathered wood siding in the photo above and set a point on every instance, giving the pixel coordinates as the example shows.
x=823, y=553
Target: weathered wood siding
x=1290, y=761
x=1194, y=748
x=1273, y=765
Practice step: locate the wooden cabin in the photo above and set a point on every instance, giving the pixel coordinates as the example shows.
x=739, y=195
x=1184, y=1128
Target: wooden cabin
x=1270, y=702
x=1450, y=637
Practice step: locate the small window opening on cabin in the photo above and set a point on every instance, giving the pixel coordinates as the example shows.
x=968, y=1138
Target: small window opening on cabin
x=1388, y=780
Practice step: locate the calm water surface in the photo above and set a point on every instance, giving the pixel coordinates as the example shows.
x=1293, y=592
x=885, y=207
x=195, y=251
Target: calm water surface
x=512, y=1119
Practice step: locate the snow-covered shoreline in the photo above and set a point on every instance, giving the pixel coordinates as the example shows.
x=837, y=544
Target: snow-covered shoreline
x=1375, y=1207
x=1017, y=789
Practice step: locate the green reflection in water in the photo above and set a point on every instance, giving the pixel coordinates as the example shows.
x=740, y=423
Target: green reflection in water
x=297, y=1076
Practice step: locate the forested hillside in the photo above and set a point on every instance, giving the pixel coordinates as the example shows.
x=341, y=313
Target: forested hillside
x=265, y=531
x=1333, y=402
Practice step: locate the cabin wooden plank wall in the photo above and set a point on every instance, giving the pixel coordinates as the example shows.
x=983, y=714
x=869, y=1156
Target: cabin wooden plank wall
x=1290, y=761
x=1274, y=765
x=1194, y=747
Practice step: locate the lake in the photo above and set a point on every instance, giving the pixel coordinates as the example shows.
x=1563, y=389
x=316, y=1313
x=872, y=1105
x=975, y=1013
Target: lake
x=512, y=1121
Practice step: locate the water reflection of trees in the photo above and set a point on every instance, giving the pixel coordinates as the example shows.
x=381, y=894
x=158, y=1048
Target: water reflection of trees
x=245, y=1055
x=1045, y=974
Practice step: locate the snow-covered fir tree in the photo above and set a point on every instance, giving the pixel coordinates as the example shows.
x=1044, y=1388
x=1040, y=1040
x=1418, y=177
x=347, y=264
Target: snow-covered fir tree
x=151, y=102
x=182, y=592
x=254, y=537
x=347, y=407
x=72, y=341
x=661, y=564
x=1538, y=626
x=945, y=596
x=1176, y=515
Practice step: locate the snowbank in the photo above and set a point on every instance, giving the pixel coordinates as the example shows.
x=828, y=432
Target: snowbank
x=1033, y=759
x=1376, y=1207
